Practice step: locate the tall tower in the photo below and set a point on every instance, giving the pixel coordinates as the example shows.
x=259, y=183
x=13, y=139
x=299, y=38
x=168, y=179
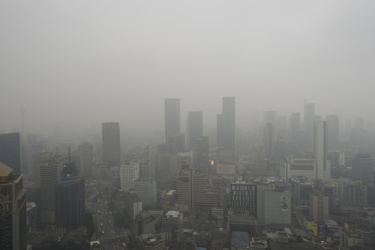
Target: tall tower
x=226, y=125
x=48, y=169
x=111, y=143
x=309, y=118
x=320, y=150
x=194, y=128
x=172, y=118
x=332, y=132
x=10, y=151
x=12, y=209
x=70, y=198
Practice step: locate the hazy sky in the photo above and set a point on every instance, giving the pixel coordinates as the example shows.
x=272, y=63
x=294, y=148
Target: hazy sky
x=79, y=63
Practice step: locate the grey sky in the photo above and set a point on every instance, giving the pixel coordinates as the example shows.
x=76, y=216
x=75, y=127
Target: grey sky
x=79, y=63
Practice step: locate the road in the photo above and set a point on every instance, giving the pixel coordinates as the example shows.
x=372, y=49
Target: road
x=110, y=236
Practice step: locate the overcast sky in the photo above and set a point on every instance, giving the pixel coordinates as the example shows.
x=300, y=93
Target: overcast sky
x=77, y=64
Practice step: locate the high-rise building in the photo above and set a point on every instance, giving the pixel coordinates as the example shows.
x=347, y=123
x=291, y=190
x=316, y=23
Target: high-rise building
x=226, y=125
x=332, y=132
x=128, y=174
x=12, y=209
x=308, y=122
x=70, y=198
x=172, y=117
x=191, y=188
x=48, y=169
x=320, y=151
x=86, y=153
x=269, y=116
x=146, y=190
x=194, y=128
x=319, y=205
x=111, y=143
x=10, y=151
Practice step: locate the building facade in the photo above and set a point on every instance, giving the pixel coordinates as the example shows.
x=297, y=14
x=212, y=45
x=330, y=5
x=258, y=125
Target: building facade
x=111, y=143
x=10, y=151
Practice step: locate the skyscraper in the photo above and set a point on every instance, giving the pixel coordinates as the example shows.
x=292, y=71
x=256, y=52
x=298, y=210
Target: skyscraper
x=10, y=151
x=202, y=152
x=194, y=128
x=308, y=122
x=226, y=125
x=70, y=198
x=111, y=143
x=128, y=174
x=332, y=132
x=268, y=140
x=86, y=153
x=172, y=117
x=48, y=169
x=12, y=209
x=320, y=150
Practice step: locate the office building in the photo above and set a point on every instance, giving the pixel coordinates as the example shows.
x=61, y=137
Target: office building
x=273, y=204
x=269, y=117
x=319, y=206
x=176, y=143
x=226, y=126
x=146, y=190
x=70, y=198
x=128, y=174
x=12, y=209
x=191, y=188
x=31, y=217
x=48, y=169
x=86, y=154
x=299, y=165
x=332, y=132
x=133, y=203
x=10, y=151
x=362, y=169
x=243, y=198
x=320, y=150
x=172, y=118
x=194, y=129
x=111, y=143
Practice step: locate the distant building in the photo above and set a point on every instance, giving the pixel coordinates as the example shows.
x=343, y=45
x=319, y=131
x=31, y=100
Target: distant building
x=320, y=150
x=202, y=152
x=70, y=198
x=152, y=242
x=362, y=169
x=194, y=128
x=176, y=143
x=31, y=217
x=226, y=126
x=12, y=209
x=86, y=153
x=333, y=130
x=191, y=187
x=308, y=122
x=10, y=151
x=300, y=165
x=111, y=143
x=268, y=140
x=172, y=118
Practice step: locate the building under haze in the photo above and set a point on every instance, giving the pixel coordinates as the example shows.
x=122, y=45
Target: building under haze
x=70, y=198
x=86, y=155
x=226, y=126
x=332, y=132
x=111, y=143
x=320, y=150
x=362, y=169
x=172, y=118
x=194, y=128
x=48, y=169
x=12, y=209
x=128, y=174
x=308, y=123
x=10, y=151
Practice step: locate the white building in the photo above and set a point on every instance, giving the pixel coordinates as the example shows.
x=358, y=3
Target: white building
x=128, y=174
x=301, y=165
